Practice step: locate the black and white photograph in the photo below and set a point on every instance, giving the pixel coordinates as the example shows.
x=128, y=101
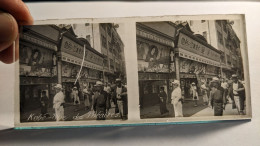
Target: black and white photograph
x=72, y=72
x=191, y=68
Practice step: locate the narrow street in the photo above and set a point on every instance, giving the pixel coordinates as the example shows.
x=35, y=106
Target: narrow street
x=71, y=112
x=189, y=110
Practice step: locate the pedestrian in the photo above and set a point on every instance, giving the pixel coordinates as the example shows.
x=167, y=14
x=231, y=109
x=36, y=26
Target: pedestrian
x=121, y=97
x=237, y=94
x=44, y=104
x=217, y=98
x=58, y=103
x=75, y=95
x=225, y=86
x=100, y=102
x=87, y=96
x=194, y=93
x=107, y=89
x=163, y=97
x=204, y=91
x=177, y=99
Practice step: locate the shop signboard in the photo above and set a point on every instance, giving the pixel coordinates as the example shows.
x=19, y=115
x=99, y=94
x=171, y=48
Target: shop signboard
x=37, y=61
x=71, y=47
x=153, y=57
x=188, y=43
x=189, y=66
x=153, y=76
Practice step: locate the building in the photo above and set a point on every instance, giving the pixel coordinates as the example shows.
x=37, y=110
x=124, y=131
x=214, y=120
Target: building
x=38, y=64
x=221, y=35
x=71, y=50
x=104, y=38
x=195, y=60
x=155, y=43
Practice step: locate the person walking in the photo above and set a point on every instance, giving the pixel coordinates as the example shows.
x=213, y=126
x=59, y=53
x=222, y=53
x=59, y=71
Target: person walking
x=58, y=103
x=225, y=86
x=218, y=98
x=237, y=94
x=100, y=101
x=44, y=104
x=107, y=89
x=204, y=91
x=75, y=95
x=121, y=97
x=194, y=94
x=87, y=96
x=177, y=99
x=163, y=97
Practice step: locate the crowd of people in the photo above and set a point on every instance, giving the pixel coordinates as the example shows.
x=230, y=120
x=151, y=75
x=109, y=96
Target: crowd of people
x=98, y=98
x=216, y=94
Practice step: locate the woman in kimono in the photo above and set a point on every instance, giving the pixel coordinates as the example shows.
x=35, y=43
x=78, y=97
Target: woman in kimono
x=177, y=99
x=194, y=93
x=87, y=96
x=163, y=97
x=204, y=91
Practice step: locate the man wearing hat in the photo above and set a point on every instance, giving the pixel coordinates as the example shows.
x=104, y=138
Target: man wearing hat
x=121, y=97
x=58, y=103
x=237, y=94
x=100, y=104
x=217, y=98
x=177, y=98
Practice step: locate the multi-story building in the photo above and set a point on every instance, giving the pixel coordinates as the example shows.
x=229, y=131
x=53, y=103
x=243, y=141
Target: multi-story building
x=104, y=38
x=221, y=35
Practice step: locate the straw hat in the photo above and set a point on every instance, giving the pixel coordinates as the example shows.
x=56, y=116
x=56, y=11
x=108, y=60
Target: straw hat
x=99, y=83
x=58, y=86
x=234, y=76
x=118, y=80
x=176, y=82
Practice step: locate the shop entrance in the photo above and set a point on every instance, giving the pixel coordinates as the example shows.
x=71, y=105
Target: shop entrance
x=68, y=89
x=185, y=87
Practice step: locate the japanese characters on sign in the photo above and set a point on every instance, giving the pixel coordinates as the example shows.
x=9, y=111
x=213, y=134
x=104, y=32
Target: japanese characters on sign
x=75, y=49
x=189, y=44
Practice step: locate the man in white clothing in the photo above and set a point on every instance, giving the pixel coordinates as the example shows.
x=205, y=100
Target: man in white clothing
x=58, y=102
x=177, y=98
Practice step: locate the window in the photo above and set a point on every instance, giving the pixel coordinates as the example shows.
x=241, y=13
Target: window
x=218, y=22
x=110, y=47
x=191, y=23
x=202, y=21
x=220, y=38
x=111, y=64
x=205, y=35
x=109, y=30
x=104, y=41
x=103, y=26
x=228, y=59
x=226, y=43
x=225, y=26
x=105, y=62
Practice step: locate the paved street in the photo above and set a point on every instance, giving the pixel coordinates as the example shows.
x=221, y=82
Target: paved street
x=189, y=110
x=210, y=112
x=71, y=112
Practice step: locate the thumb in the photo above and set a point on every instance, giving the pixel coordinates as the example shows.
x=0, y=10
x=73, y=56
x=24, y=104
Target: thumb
x=8, y=33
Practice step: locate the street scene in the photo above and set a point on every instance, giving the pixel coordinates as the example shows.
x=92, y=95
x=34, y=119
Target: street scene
x=72, y=72
x=190, y=68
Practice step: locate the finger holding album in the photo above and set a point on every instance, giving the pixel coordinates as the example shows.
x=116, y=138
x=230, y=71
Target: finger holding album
x=12, y=14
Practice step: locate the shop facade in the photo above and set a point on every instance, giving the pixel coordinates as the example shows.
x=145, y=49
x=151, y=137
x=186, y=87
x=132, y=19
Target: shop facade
x=72, y=51
x=195, y=61
x=38, y=64
x=155, y=67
